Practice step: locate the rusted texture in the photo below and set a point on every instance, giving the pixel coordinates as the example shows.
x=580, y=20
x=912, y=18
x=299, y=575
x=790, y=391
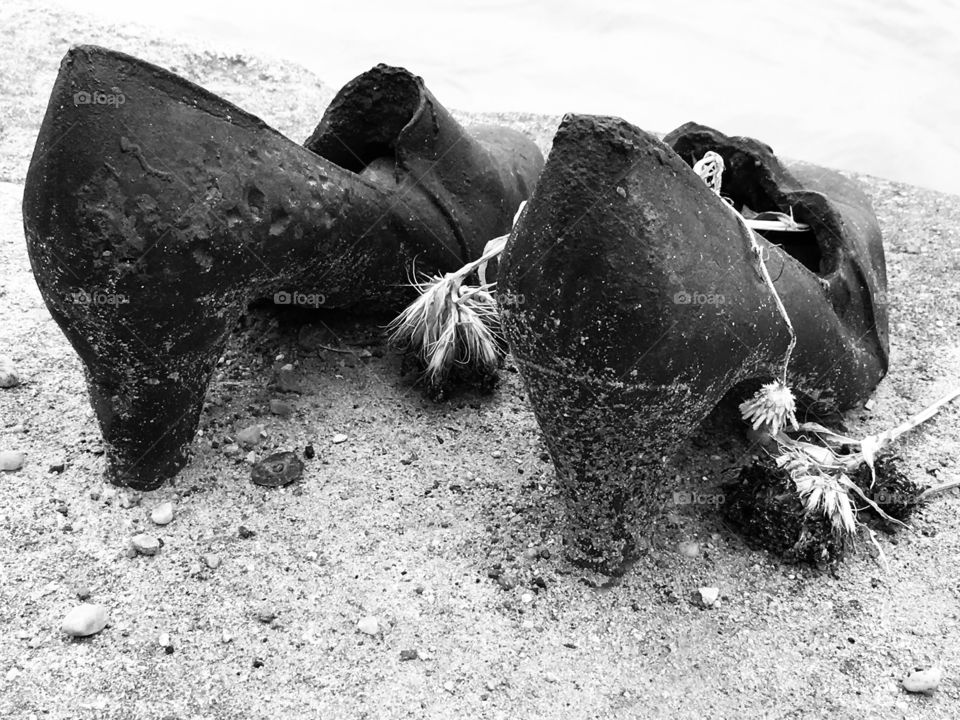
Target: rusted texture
x=152, y=222
x=643, y=306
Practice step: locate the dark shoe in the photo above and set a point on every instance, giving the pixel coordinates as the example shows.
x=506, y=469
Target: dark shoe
x=643, y=306
x=156, y=211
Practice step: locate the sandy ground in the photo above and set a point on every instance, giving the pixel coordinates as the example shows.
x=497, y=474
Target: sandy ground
x=367, y=533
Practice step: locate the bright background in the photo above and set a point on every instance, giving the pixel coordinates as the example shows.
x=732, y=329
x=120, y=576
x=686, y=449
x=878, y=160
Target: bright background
x=866, y=85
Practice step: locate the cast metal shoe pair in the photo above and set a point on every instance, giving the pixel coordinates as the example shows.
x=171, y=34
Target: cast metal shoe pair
x=155, y=212
x=643, y=305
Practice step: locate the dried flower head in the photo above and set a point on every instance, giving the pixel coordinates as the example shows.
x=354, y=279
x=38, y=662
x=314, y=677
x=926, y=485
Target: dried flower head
x=824, y=493
x=771, y=408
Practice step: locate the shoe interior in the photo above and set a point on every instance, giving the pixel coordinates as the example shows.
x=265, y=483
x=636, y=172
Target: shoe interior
x=802, y=245
x=742, y=184
x=755, y=182
x=364, y=122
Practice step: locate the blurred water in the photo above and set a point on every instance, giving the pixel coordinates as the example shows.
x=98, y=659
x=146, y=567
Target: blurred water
x=872, y=86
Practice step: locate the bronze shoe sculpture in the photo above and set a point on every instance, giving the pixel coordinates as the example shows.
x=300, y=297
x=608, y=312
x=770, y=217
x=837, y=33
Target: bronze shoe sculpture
x=155, y=212
x=643, y=306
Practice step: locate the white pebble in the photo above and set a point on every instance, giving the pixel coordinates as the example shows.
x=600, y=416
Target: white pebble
x=164, y=640
x=709, y=596
x=923, y=681
x=339, y=438
x=8, y=376
x=162, y=514
x=11, y=460
x=689, y=548
x=145, y=544
x=84, y=620
x=527, y=598
x=212, y=561
x=369, y=625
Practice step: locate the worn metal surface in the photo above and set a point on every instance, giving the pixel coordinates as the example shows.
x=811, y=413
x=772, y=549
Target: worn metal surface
x=632, y=304
x=155, y=211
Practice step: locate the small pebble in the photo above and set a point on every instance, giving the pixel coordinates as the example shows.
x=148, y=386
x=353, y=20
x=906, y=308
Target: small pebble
x=266, y=614
x=408, y=458
x=281, y=408
x=527, y=598
x=369, y=625
x=57, y=465
x=231, y=449
x=339, y=438
x=689, y=549
x=252, y=458
x=497, y=454
x=309, y=453
x=83, y=593
x=277, y=470
x=923, y=681
x=225, y=637
x=708, y=596
x=11, y=460
x=250, y=436
x=145, y=544
x=84, y=620
x=244, y=532
x=164, y=640
x=408, y=655
x=212, y=561
x=162, y=514
x=8, y=375
x=195, y=568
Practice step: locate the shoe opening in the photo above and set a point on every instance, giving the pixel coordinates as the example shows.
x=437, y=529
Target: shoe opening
x=755, y=183
x=366, y=118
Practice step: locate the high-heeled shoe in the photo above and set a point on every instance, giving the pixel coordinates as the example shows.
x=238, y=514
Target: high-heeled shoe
x=643, y=306
x=155, y=211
